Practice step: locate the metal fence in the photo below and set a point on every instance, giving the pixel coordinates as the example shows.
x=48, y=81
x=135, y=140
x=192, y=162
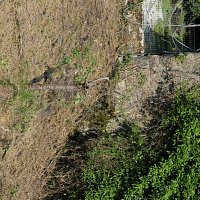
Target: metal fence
x=165, y=30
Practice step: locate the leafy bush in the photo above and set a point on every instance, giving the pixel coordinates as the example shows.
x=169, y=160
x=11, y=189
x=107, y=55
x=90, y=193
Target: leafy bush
x=192, y=8
x=111, y=164
x=124, y=167
x=176, y=177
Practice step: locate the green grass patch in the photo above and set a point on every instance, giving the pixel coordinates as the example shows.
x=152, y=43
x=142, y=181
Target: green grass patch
x=25, y=106
x=83, y=61
x=3, y=62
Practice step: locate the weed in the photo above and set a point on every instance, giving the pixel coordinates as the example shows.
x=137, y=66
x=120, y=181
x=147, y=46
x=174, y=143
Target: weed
x=7, y=83
x=13, y=192
x=66, y=60
x=160, y=27
x=79, y=99
x=25, y=107
x=107, y=163
x=3, y=62
x=180, y=58
x=82, y=75
x=128, y=10
x=23, y=102
x=5, y=149
x=142, y=79
x=124, y=60
x=83, y=61
x=79, y=53
x=175, y=177
x=192, y=8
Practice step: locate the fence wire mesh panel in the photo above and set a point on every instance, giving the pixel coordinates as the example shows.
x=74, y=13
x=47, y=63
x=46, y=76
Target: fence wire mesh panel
x=166, y=29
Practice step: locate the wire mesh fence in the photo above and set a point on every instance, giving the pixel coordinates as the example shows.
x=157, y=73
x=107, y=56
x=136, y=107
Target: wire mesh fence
x=165, y=28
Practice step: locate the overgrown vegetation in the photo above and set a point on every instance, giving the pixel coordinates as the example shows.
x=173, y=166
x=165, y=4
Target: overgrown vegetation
x=25, y=108
x=192, y=8
x=23, y=104
x=125, y=164
x=71, y=43
x=170, y=29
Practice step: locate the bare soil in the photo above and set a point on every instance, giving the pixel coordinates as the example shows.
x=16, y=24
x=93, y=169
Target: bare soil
x=147, y=85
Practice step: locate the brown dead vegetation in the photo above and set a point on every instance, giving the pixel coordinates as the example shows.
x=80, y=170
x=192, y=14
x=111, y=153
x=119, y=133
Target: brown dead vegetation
x=35, y=35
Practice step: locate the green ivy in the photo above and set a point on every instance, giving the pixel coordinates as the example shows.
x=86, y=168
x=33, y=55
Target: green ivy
x=123, y=167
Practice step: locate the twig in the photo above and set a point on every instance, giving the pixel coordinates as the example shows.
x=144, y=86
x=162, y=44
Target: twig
x=69, y=88
x=181, y=42
x=166, y=41
x=184, y=26
x=91, y=83
x=198, y=50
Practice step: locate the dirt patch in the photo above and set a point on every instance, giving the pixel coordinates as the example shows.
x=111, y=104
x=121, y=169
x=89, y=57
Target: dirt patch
x=153, y=79
x=5, y=93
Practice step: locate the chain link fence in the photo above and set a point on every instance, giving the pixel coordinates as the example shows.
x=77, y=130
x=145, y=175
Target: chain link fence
x=165, y=30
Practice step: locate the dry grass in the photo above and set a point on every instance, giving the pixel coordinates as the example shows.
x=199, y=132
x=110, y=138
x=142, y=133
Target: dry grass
x=35, y=35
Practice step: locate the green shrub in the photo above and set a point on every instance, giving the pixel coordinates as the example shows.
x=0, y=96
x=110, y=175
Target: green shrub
x=124, y=167
x=111, y=164
x=192, y=8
